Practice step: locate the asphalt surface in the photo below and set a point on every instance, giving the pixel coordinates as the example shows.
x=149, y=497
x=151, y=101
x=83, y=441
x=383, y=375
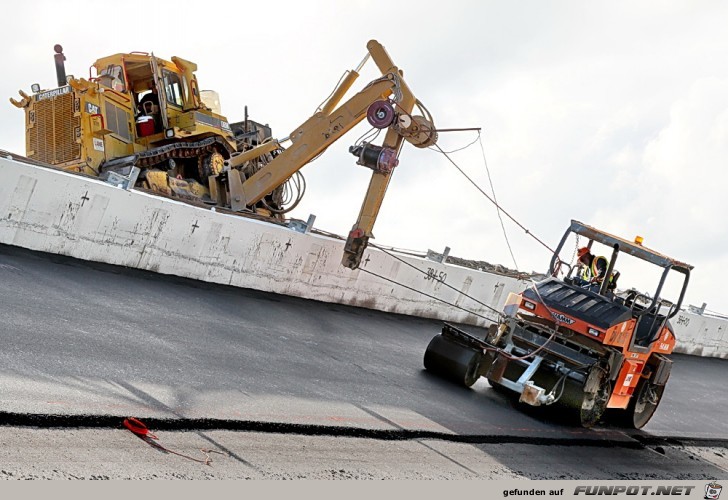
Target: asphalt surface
x=85, y=343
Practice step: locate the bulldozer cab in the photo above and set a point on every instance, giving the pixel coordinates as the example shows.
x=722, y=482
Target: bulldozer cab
x=151, y=85
x=651, y=311
x=163, y=96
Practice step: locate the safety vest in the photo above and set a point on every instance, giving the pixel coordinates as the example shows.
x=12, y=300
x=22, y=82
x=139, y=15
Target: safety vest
x=592, y=271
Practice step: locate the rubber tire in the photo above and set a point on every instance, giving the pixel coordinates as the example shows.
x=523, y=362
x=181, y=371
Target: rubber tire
x=453, y=361
x=627, y=418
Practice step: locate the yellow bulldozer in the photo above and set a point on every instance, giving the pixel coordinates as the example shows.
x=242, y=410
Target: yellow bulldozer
x=140, y=111
x=144, y=121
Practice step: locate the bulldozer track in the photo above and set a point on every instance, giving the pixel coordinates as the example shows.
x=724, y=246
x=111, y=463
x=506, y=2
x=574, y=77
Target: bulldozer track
x=149, y=158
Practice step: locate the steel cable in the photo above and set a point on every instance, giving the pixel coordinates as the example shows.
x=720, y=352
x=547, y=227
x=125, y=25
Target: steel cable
x=494, y=202
x=425, y=294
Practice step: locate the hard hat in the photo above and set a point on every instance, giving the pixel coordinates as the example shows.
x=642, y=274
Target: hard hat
x=582, y=252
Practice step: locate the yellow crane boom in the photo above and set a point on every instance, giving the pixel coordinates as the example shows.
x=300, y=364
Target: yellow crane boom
x=328, y=125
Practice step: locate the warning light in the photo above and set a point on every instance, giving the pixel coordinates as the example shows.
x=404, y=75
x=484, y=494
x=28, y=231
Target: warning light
x=639, y=240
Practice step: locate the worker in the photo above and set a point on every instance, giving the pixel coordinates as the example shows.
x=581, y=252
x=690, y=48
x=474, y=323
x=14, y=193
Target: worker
x=149, y=97
x=594, y=270
x=149, y=106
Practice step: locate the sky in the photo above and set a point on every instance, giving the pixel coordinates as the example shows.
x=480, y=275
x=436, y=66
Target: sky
x=611, y=113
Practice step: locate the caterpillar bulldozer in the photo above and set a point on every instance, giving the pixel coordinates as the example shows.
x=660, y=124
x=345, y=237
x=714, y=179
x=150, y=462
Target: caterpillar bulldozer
x=138, y=111
x=581, y=346
x=143, y=121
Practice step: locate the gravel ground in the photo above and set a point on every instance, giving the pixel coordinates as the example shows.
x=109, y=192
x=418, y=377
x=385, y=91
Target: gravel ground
x=32, y=453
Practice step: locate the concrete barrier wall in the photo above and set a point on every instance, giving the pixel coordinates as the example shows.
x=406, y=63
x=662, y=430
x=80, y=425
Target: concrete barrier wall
x=701, y=335
x=57, y=212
